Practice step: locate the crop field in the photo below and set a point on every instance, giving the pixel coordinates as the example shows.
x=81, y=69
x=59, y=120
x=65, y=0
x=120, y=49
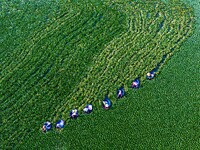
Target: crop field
x=56, y=56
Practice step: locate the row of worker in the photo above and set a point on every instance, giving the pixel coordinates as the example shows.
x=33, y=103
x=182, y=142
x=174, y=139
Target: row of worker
x=106, y=104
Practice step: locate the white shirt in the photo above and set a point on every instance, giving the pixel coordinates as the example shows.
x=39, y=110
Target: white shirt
x=85, y=109
x=106, y=105
x=90, y=107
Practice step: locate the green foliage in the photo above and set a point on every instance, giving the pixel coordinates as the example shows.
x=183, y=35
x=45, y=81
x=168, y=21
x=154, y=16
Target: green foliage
x=61, y=55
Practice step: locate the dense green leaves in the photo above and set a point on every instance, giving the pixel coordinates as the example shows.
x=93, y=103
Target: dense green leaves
x=53, y=61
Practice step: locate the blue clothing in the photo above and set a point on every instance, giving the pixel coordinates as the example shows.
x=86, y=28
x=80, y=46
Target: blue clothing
x=120, y=92
x=47, y=126
x=88, y=109
x=74, y=114
x=135, y=83
x=60, y=124
x=106, y=103
x=151, y=76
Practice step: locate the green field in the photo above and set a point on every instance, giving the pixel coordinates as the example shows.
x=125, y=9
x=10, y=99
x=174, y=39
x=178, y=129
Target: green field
x=60, y=55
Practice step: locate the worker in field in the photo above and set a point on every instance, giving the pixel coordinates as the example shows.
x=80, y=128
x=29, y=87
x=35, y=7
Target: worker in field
x=106, y=104
x=60, y=124
x=136, y=83
x=74, y=114
x=150, y=75
x=88, y=109
x=120, y=92
x=46, y=126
